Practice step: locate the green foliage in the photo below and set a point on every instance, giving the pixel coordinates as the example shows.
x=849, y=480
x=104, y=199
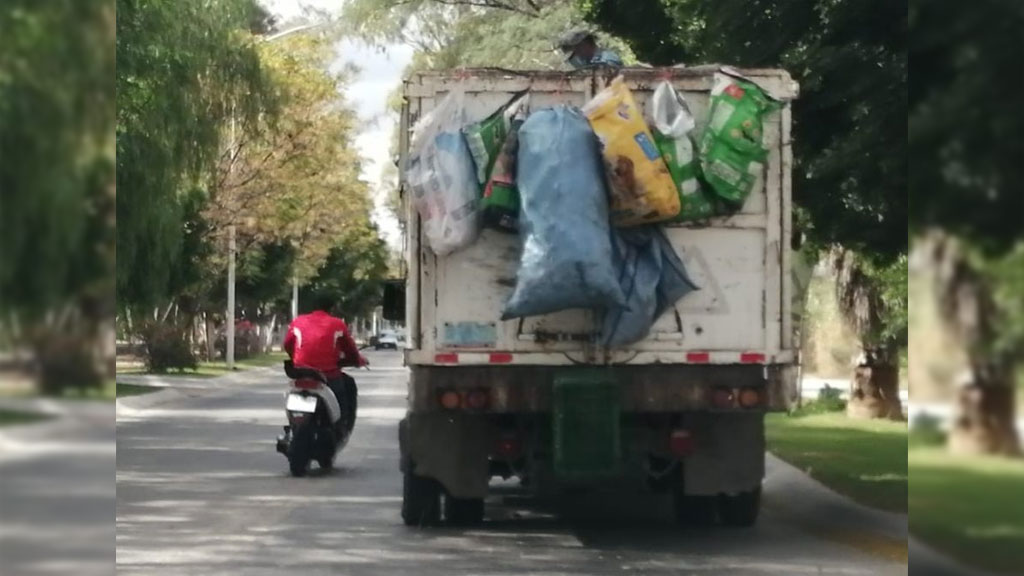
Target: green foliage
x=56, y=120
x=352, y=274
x=963, y=127
x=966, y=164
x=513, y=34
x=167, y=347
x=184, y=70
x=850, y=58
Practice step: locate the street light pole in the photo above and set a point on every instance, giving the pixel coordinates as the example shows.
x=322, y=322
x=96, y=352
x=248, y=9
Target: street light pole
x=295, y=297
x=229, y=352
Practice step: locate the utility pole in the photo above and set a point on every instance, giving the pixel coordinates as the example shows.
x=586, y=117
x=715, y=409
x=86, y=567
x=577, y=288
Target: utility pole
x=229, y=352
x=295, y=297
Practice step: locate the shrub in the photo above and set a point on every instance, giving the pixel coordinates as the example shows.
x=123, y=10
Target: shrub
x=926, y=431
x=66, y=362
x=829, y=400
x=167, y=347
x=247, y=341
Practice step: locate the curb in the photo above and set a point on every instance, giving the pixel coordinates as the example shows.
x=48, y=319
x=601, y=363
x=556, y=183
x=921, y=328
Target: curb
x=821, y=505
x=134, y=404
x=174, y=388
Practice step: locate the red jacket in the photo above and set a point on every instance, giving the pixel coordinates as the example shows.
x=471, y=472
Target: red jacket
x=319, y=340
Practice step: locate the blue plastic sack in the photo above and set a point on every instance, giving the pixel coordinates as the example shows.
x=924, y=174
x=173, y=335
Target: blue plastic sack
x=653, y=279
x=567, y=251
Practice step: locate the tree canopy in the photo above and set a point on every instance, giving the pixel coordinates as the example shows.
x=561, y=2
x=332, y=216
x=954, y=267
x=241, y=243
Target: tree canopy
x=184, y=70
x=56, y=144
x=849, y=137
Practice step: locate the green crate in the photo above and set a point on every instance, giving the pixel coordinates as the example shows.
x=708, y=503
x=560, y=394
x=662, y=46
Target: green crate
x=585, y=417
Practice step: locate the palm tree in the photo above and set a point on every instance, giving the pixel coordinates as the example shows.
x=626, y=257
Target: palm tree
x=871, y=301
x=985, y=422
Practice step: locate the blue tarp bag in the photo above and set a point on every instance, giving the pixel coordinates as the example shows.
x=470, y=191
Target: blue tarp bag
x=652, y=278
x=567, y=259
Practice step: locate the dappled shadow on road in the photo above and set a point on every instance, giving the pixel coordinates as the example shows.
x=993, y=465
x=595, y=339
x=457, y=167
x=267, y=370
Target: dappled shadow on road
x=201, y=491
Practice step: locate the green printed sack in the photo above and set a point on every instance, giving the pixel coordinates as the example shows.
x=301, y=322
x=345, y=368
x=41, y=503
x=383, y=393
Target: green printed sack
x=501, y=196
x=485, y=138
x=732, y=152
x=673, y=124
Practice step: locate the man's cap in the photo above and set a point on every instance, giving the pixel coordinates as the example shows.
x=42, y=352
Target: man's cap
x=570, y=40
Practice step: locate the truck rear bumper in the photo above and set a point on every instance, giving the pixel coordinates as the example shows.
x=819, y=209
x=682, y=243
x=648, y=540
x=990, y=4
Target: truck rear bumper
x=646, y=389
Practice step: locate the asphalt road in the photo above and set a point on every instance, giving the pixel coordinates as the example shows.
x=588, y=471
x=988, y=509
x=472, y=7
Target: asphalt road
x=56, y=493
x=200, y=490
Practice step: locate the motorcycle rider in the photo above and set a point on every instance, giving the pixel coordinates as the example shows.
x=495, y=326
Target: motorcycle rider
x=318, y=340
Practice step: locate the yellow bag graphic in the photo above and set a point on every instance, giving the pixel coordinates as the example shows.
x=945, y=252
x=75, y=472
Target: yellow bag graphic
x=642, y=190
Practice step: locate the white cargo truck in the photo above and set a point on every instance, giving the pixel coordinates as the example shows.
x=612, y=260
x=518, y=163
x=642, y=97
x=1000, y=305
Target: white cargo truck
x=537, y=399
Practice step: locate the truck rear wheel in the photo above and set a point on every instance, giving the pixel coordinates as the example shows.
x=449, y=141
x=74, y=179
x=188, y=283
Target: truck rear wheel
x=464, y=511
x=693, y=510
x=740, y=510
x=421, y=500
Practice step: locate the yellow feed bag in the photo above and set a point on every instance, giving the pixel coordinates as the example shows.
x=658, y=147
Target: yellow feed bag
x=642, y=190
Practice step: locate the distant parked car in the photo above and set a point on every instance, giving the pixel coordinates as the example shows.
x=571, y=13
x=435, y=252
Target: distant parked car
x=386, y=341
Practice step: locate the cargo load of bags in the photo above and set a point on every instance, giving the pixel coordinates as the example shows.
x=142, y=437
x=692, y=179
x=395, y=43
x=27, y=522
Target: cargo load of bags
x=588, y=190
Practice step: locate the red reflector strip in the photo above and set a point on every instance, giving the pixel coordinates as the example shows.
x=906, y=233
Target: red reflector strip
x=698, y=357
x=446, y=358
x=501, y=358
x=752, y=358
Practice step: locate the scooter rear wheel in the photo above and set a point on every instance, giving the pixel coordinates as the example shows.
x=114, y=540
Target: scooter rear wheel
x=300, y=451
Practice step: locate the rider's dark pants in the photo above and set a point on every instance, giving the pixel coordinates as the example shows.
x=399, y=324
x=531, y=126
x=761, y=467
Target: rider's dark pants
x=344, y=388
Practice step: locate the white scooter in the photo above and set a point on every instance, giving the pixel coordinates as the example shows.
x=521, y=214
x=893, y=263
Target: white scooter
x=316, y=429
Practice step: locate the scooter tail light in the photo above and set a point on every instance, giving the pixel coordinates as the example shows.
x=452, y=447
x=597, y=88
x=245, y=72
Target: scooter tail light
x=307, y=384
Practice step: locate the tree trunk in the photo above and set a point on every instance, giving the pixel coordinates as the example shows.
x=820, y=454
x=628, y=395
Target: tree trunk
x=986, y=406
x=986, y=415
x=875, y=391
x=211, y=337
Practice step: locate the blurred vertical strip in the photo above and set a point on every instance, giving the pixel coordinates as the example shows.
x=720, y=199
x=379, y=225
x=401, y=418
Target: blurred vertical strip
x=57, y=187
x=57, y=259
x=966, y=137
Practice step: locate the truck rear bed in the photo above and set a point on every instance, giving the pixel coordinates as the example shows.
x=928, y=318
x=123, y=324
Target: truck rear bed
x=740, y=315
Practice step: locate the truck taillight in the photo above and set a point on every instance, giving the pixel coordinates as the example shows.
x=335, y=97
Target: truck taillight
x=478, y=399
x=723, y=398
x=450, y=400
x=680, y=443
x=750, y=398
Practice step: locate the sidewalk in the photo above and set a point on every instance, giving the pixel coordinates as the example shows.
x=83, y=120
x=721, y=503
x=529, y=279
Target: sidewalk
x=175, y=387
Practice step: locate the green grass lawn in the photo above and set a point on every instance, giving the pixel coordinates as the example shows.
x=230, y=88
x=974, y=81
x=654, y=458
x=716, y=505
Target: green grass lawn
x=15, y=417
x=865, y=460
x=969, y=508
x=215, y=369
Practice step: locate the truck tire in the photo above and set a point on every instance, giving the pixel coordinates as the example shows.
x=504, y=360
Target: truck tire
x=421, y=500
x=697, y=511
x=464, y=511
x=740, y=510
